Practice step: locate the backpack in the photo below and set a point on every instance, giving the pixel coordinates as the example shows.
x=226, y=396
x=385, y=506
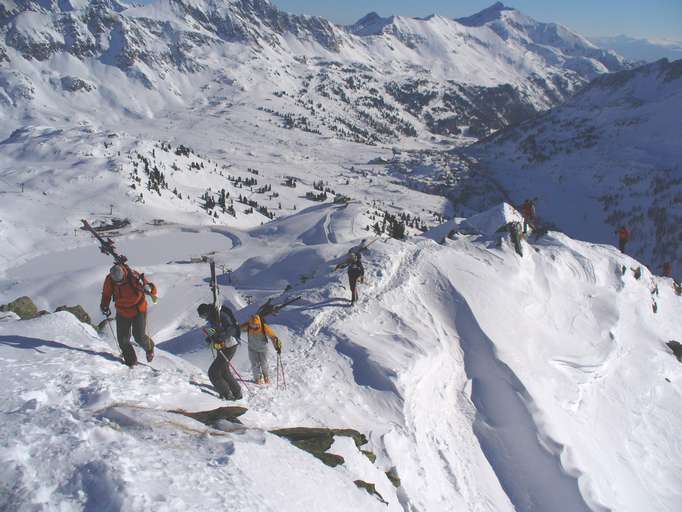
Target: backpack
x=225, y=310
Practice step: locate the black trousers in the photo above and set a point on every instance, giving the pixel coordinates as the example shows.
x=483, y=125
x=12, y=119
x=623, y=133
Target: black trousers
x=221, y=376
x=353, y=282
x=138, y=326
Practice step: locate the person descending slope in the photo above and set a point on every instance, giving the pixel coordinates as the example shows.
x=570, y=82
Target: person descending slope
x=258, y=334
x=623, y=237
x=128, y=289
x=528, y=213
x=356, y=273
x=222, y=333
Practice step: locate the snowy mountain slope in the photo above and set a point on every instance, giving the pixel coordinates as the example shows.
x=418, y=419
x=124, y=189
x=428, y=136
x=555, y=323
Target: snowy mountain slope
x=637, y=50
x=53, y=178
x=608, y=157
x=419, y=78
x=488, y=381
x=83, y=432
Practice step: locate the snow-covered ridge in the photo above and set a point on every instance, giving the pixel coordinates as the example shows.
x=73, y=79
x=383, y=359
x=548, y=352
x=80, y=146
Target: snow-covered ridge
x=484, y=380
x=612, y=153
x=401, y=76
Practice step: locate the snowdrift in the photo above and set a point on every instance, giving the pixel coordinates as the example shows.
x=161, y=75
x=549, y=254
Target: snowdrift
x=484, y=380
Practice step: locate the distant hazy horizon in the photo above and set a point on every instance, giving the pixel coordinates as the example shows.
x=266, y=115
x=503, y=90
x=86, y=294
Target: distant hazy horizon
x=657, y=19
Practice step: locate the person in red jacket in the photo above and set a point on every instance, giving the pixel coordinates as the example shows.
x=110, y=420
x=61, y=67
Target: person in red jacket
x=623, y=237
x=128, y=289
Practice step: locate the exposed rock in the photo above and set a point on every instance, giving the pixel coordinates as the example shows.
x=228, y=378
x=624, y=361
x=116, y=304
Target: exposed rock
x=371, y=489
x=23, y=307
x=78, y=312
x=211, y=417
x=73, y=84
x=392, y=475
x=317, y=441
x=676, y=348
x=370, y=455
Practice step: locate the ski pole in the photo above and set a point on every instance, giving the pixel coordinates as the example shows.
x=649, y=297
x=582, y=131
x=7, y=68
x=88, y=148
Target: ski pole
x=120, y=352
x=281, y=365
x=235, y=371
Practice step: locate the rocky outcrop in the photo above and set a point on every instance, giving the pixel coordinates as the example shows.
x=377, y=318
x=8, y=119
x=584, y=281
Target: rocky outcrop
x=23, y=307
x=73, y=84
x=317, y=441
x=78, y=312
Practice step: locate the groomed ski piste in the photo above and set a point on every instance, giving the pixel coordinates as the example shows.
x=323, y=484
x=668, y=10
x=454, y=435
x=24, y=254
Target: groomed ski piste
x=488, y=381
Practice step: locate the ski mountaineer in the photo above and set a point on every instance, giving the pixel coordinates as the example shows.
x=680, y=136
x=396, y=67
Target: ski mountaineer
x=528, y=213
x=623, y=237
x=222, y=333
x=515, y=235
x=356, y=273
x=128, y=289
x=258, y=334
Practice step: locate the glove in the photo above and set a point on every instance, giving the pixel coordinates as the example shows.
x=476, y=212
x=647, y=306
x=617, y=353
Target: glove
x=278, y=345
x=105, y=310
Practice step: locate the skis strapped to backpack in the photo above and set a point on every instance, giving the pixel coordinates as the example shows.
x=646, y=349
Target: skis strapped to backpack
x=107, y=246
x=268, y=309
x=215, y=290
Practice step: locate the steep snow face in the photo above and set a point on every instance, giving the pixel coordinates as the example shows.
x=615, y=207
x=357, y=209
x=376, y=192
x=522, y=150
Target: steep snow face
x=486, y=380
x=378, y=81
x=555, y=43
x=609, y=157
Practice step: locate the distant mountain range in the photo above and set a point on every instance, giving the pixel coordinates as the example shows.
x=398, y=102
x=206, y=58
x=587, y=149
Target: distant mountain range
x=638, y=50
x=379, y=80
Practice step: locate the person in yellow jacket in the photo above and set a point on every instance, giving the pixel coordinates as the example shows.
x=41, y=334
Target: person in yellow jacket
x=258, y=334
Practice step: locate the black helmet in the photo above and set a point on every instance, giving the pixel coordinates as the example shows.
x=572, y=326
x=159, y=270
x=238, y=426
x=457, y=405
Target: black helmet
x=203, y=310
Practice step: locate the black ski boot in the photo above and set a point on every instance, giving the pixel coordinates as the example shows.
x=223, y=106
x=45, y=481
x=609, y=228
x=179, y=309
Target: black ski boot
x=129, y=355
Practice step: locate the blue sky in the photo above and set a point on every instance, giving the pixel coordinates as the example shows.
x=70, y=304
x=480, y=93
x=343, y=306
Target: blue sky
x=637, y=18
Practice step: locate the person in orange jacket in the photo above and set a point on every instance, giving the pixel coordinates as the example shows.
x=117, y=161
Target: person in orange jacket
x=128, y=289
x=623, y=237
x=258, y=334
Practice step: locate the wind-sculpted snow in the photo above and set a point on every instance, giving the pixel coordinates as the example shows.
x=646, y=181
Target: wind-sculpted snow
x=422, y=365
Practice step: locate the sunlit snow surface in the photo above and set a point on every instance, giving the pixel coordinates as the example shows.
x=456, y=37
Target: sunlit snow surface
x=490, y=381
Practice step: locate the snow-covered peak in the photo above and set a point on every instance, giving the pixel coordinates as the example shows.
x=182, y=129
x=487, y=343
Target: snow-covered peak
x=370, y=25
x=518, y=28
x=494, y=12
